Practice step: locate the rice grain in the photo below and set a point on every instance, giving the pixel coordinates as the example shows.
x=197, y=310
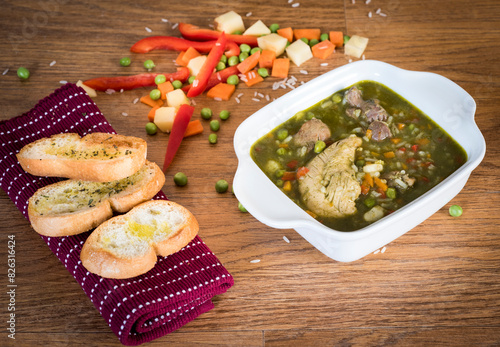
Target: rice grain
x=148, y=30
x=286, y=239
x=5, y=72
x=255, y=261
x=52, y=63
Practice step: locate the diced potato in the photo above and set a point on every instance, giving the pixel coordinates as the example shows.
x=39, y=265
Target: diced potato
x=195, y=64
x=164, y=118
x=356, y=46
x=258, y=29
x=374, y=214
x=273, y=42
x=176, y=98
x=90, y=91
x=229, y=22
x=299, y=52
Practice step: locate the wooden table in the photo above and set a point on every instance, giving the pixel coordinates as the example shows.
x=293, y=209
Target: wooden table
x=439, y=284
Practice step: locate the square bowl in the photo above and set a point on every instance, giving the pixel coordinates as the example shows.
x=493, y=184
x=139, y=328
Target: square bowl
x=447, y=104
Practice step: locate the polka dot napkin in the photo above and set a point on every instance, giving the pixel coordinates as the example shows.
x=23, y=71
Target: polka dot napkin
x=176, y=291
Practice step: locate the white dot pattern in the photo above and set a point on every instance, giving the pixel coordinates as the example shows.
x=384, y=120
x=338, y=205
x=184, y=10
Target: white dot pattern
x=174, y=292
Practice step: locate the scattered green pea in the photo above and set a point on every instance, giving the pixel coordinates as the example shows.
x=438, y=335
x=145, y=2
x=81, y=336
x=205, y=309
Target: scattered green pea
x=274, y=27
x=206, y=113
x=224, y=114
x=191, y=79
x=336, y=98
x=360, y=162
x=149, y=64
x=243, y=56
x=263, y=72
x=346, y=39
x=455, y=211
x=177, y=84
x=313, y=42
x=279, y=173
x=233, y=79
x=155, y=94
x=23, y=73
x=319, y=146
x=220, y=66
x=241, y=207
x=305, y=40
x=244, y=48
x=255, y=49
x=223, y=59
x=391, y=193
x=280, y=183
x=282, y=134
x=160, y=79
x=125, y=61
x=180, y=179
x=212, y=138
x=370, y=202
x=221, y=186
x=281, y=151
x=214, y=125
x=324, y=37
x=232, y=61
x=151, y=128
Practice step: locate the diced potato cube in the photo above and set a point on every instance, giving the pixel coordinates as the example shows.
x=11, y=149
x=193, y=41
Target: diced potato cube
x=90, y=91
x=374, y=214
x=164, y=118
x=258, y=29
x=273, y=42
x=176, y=98
x=195, y=64
x=356, y=46
x=229, y=22
x=299, y=52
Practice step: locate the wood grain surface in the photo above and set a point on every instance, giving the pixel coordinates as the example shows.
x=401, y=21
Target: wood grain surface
x=438, y=285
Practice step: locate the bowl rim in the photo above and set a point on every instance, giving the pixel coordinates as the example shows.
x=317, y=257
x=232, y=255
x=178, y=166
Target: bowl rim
x=347, y=74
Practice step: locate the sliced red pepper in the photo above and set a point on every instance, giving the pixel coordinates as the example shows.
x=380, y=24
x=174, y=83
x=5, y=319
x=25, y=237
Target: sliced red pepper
x=217, y=77
x=192, y=32
x=302, y=171
x=179, y=44
x=134, y=81
x=292, y=164
x=289, y=176
x=201, y=80
x=414, y=148
x=181, y=121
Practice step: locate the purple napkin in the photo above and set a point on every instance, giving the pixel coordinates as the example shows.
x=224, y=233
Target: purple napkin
x=176, y=291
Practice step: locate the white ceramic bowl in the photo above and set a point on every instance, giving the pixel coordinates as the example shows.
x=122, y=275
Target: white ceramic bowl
x=442, y=100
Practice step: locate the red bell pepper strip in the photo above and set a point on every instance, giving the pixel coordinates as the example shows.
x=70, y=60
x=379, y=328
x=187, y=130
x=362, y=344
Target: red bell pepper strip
x=179, y=44
x=181, y=121
x=134, y=81
x=201, y=80
x=217, y=77
x=192, y=32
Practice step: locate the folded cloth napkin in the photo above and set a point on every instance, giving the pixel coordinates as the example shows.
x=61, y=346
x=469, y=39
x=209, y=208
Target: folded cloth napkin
x=176, y=291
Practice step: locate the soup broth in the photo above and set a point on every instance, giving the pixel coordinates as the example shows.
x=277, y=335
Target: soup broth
x=403, y=153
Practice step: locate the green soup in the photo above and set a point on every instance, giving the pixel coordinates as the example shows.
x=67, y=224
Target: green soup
x=392, y=166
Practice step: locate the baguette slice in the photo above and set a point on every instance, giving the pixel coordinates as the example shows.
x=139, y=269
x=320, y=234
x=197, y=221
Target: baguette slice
x=99, y=157
x=127, y=245
x=72, y=207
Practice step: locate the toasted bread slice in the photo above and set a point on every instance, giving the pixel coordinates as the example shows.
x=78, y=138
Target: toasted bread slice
x=127, y=245
x=73, y=206
x=98, y=157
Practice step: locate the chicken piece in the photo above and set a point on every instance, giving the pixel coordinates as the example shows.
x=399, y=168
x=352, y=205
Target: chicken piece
x=311, y=131
x=380, y=130
x=330, y=187
x=353, y=97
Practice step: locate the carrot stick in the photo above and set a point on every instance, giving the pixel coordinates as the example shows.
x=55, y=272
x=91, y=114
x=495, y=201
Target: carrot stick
x=179, y=60
x=287, y=33
x=310, y=34
x=280, y=68
x=249, y=63
x=222, y=91
x=267, y=58
x=194, y=128
x=151, y=113
x=369, y=179
x=323, y=49
x=337, y=38
x=190, y=54
x=252, y=77
x=148, y=101
x=165, y=88
x=379, y=183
